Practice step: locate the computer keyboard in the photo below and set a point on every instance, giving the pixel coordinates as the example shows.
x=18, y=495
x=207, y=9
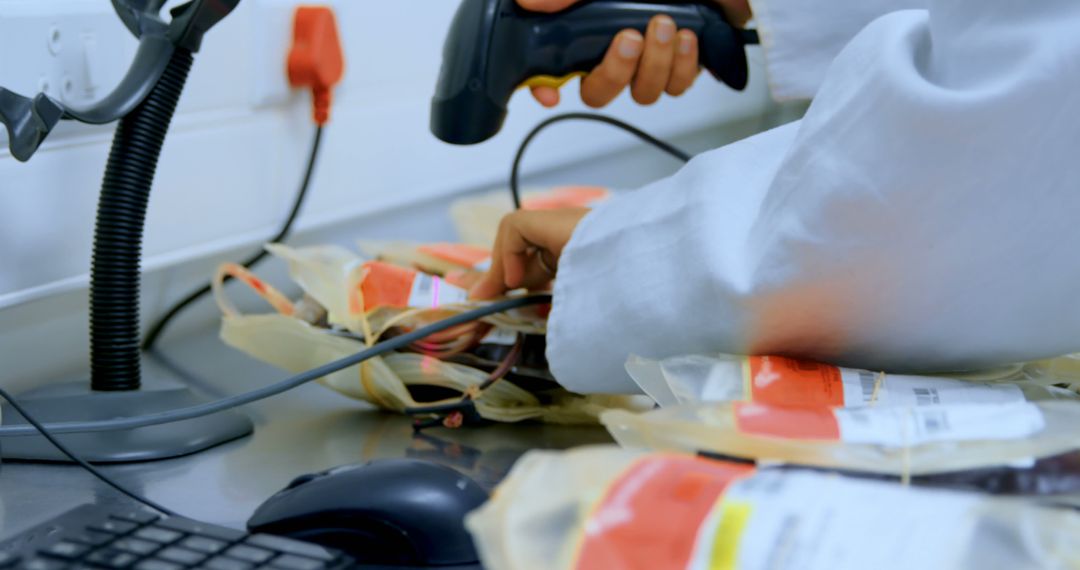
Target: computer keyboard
x=92, y=536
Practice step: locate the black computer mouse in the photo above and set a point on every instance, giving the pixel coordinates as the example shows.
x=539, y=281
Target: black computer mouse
x=393, y=511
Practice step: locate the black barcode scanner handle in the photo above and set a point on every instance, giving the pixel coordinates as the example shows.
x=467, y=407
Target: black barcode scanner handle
x=495, y=46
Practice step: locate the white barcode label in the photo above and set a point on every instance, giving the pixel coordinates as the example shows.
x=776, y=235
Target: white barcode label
x=429, y=291
x=808, y=521
x=903, y=426
x=899, y=390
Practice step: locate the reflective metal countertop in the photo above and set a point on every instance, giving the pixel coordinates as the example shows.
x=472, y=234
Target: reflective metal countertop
x=309, y=429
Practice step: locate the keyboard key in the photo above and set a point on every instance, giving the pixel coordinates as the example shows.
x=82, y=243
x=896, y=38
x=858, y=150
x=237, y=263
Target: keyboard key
x=204, y=544
x=90, y=537
x=114, y=526
x=293, y=562
x=290, y=546
x=157, y=534
x=110, y=558
x=191, y=527
x=8, y=559
x=66, y=550
x=157, y=565
x=135, y=516
x=223, y=563
x=136, y=546
x=43, y=564
x=250, y=553
x=139, y=540
x=181, y=555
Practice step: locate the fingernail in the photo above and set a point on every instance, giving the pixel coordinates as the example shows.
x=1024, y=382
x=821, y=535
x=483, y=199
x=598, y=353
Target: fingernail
x=686, y=44
x=665, y=29
x=630, y=46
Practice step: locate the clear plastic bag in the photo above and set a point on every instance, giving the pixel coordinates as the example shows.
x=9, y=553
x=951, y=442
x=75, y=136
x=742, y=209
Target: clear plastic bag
x=462, y=265
x=697, y=378
x=477, y=218
x=617, y=509
x=334, y=278
x=901, y=441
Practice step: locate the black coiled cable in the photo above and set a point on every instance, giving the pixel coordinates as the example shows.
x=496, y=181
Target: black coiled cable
x=515, y=169
x=125, y=192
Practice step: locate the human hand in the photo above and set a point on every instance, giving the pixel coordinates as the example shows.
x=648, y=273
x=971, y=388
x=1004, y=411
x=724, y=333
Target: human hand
x=527, y=250
x=665, y=60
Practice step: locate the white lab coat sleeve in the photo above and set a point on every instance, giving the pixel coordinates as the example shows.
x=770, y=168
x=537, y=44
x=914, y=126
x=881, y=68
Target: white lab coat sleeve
x=657, y=271
x=921, y=217
x=800, y=38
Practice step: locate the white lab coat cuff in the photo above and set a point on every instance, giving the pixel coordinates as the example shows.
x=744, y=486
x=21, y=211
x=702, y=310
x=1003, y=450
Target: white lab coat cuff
x=561, y=339
x=656, y=272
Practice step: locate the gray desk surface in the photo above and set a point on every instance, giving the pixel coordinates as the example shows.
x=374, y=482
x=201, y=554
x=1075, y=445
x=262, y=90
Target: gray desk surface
x=309, y=429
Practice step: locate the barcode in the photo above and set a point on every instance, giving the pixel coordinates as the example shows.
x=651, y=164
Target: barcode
x=423, y=284
x=926, y=396
x=934, y=422
x=867, y=382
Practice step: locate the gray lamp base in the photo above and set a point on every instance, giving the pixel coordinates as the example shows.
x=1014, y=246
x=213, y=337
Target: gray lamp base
x=75, y=402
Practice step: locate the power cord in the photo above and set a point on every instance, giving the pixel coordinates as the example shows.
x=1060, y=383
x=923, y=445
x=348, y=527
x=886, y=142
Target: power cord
x=392, y=344
x=47, y=434
x=286, y=228
x=515, y=170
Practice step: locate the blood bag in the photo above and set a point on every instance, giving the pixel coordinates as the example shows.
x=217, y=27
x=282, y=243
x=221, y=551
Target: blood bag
x=903, y=440
x=615, y=509
x=696, y=378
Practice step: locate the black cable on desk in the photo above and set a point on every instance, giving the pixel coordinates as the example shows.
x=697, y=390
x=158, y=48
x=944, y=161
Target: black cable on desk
x=286, y=229
x=47, y=434
x=515, y=170
x=231, y=402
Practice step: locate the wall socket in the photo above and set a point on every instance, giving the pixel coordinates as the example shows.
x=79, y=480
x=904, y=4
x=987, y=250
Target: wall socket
x=67, y=49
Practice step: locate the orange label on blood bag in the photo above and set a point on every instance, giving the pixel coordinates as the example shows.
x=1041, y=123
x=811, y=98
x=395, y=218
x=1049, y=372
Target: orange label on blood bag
x=789, y=382
x=649, y=517
x=753, y=418
x=469, y=256
x=386, y=285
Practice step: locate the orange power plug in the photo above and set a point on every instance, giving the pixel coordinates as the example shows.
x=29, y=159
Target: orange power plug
x=316, y=60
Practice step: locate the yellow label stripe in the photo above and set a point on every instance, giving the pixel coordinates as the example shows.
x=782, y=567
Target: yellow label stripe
x=733, y=519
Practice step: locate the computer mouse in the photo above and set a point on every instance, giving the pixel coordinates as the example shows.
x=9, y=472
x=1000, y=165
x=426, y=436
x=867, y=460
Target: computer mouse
x=401, y=512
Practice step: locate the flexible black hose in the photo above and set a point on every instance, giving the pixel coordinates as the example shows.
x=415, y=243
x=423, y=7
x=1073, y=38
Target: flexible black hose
x=125, y=192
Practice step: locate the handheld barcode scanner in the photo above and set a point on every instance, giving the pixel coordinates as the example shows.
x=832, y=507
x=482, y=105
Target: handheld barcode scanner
x=495, y=46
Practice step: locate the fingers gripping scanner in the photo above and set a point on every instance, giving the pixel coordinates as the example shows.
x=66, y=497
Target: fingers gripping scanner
x=495, y=46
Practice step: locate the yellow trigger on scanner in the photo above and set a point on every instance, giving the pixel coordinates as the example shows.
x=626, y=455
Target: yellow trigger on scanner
x=550, y=80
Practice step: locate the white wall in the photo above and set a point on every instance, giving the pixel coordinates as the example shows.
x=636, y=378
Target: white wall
x=234, y=155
